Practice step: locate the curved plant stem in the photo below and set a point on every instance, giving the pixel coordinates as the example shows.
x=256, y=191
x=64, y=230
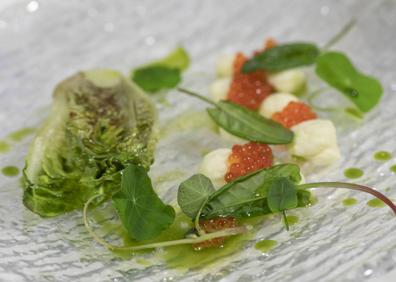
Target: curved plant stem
x=208, y=236
x=188, y=92
x=285, y=220
x=350, y=186
x=344, y=31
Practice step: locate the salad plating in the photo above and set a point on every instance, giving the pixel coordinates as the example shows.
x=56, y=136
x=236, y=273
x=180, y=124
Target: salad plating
x=99, y=142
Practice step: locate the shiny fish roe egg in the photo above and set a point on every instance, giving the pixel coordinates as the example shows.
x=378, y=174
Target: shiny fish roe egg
x=248, y=158
x=213, y=225
x=293, y=114
x=248, y=89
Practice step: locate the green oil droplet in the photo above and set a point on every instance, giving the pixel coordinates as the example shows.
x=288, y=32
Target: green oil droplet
x=393, y=168
x=376, y=203
x=353, y=172
x=349, y=202
x=292, y=219
x=21, y=134
x=10, y=170
x=4, y=147
x=265, y=245
x=382, y=156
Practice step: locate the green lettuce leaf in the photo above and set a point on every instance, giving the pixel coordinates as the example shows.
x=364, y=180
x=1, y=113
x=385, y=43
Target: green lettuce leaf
x=100, y=122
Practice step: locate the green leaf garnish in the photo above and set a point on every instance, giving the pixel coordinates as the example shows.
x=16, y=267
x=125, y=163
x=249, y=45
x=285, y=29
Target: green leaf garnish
x=338, y=71
x=247, y=195
x=283, y=57
x=193, y=193
x=155, y=78
x=178, y=59
x=141, y=211
x=162, y=74
x=282, y=195
x=245, y=123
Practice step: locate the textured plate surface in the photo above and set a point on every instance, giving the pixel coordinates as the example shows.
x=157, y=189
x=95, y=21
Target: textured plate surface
x=42, y=42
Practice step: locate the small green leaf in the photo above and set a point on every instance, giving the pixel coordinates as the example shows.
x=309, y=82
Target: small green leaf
x=283, y=57
x=282, y=195
x=249, y=125
x=155, y=78
x=141, y=211
x=164, y=73
x=247, y=195
x=193, y=193
x=338, y=71
x=177, y=59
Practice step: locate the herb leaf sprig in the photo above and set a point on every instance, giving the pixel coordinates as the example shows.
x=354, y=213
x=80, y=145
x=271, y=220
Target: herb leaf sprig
x=269, y=190
x=334, y=68
x=245, y=123
x=162, y=74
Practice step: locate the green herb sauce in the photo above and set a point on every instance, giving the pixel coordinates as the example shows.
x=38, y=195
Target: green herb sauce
x=375, y=203
x=393, y=168
x=265, y=245
x=349, y=202
x=382, y=156
x=183, y=256
x=21, y=134
x=4, y=147
x=292, y=219
x=353, y=172
x=10, y=171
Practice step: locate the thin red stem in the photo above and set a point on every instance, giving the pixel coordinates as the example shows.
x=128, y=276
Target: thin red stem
x=351, y=186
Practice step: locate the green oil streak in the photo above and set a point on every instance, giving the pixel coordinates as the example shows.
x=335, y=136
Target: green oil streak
x=265, y=245
x=393, y=168
x=4, y=147
x=375, y=203
x=10, y=171
x=180, y=257
x=21, y=134
x=292, y=219
x=353, y=172
x=185, y=257
x=382, y=156
x=187, y=122
x=349, y=202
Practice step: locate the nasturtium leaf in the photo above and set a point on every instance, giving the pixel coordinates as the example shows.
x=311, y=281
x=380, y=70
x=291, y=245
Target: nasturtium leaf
x=193, y=193
x=337, y=70
x=282, y=57
x=162, y=74
x=248, y=124
x=282, y=195
x=141, y=211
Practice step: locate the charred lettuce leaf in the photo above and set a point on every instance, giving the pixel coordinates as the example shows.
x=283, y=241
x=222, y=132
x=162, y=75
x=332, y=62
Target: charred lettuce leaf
x=100, y=122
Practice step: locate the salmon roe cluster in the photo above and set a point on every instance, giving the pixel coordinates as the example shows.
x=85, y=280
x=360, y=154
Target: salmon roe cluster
x=248, y=89
x=293, y=114
x=248, y=158
x=213, y=225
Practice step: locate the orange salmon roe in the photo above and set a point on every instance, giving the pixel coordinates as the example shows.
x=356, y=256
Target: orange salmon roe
x=294, y=113
x=248, y=158
x=248, y=89
x=213, y=225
